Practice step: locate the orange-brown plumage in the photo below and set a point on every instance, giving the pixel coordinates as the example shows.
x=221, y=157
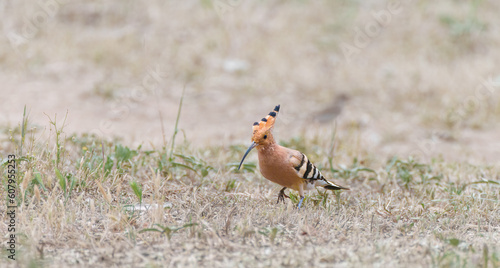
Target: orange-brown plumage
x=286, y=167
x=275, y=165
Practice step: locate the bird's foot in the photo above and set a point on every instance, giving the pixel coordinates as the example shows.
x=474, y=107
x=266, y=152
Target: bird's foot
x=282, y=195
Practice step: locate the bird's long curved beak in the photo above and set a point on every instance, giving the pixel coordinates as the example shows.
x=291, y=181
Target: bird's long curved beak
x=248, y=150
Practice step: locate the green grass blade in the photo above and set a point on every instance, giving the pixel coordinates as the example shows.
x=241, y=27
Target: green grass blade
x=176, y=130
x=62, y=180
x=137, y=190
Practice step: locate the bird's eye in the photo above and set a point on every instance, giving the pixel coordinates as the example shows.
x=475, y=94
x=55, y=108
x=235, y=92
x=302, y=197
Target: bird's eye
x=265, y=137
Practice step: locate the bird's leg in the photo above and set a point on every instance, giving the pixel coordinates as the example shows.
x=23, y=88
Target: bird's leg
x=301, y=193
x=300, y=202
x=282, y=195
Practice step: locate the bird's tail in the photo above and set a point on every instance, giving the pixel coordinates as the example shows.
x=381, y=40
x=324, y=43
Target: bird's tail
x=332, y=186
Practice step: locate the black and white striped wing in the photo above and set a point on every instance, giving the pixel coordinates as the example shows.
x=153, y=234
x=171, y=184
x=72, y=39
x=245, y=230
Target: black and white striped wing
x=307, y=170
x=310, y=172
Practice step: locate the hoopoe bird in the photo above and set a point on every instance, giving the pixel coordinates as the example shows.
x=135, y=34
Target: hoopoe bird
x=286, y=167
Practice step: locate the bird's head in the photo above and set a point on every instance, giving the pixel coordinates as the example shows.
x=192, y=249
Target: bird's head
x=262, y=135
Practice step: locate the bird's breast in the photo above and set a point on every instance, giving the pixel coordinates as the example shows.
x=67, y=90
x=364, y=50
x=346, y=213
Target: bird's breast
x=275, y=166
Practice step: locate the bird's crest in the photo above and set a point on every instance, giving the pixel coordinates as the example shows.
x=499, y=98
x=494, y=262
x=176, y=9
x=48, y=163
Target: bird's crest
x=267, y=122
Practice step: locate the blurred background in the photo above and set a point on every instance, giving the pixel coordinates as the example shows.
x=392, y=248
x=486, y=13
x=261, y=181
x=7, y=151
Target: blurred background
x=391, y=77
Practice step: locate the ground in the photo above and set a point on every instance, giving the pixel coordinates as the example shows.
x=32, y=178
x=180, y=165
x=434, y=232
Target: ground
x=398, y=100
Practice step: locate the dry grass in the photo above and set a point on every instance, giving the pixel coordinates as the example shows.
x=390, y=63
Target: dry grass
x=403, y=213
x=416, y=133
